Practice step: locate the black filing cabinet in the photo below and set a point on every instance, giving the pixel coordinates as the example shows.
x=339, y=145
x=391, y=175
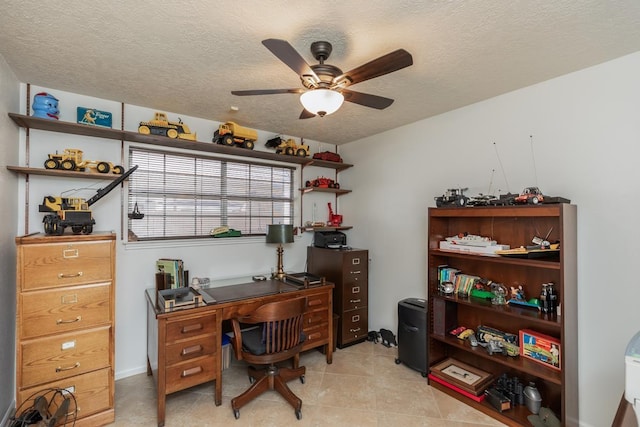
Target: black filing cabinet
x=348, y=269
x=412, y=334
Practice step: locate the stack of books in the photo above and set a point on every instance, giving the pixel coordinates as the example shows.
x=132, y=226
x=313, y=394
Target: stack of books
x=484, y=250
x=173, y=272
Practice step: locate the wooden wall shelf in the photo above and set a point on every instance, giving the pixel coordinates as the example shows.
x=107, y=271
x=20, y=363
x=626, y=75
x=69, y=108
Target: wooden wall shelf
x=29, y=122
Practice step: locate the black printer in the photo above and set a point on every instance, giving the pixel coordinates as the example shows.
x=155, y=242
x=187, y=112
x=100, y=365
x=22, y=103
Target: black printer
x=329, y=239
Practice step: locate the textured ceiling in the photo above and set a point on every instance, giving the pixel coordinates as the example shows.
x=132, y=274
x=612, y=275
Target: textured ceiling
x=186, y=56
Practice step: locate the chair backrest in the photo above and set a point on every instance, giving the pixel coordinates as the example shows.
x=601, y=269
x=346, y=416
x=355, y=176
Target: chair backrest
x=280, y=332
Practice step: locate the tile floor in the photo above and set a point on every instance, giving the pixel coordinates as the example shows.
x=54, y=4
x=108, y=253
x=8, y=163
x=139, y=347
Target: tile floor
x=362, y=387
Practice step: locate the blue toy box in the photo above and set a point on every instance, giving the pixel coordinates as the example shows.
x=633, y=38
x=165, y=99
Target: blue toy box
x=91, y=116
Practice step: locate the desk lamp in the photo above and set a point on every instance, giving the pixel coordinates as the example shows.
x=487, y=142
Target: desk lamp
x=279, y=233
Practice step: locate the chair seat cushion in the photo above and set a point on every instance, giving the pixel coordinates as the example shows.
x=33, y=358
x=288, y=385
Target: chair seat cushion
x=252, y=341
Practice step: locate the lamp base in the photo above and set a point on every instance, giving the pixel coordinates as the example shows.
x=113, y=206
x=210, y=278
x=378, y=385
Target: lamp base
x=279, y=274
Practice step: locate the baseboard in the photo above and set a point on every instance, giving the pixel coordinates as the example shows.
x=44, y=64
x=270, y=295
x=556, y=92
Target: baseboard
x=129, y=373
x=8, y=414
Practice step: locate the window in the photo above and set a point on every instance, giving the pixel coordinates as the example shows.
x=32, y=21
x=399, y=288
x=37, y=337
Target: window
x=186, y=196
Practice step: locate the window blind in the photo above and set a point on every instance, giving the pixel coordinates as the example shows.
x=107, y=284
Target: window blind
x=186, y=196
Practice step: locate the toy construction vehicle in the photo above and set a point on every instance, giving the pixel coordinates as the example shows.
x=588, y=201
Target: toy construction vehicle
x=71, y=160
x=74, y=212
x=160, y=125
x=322, y=182
x=231, y=133
x=288, y=147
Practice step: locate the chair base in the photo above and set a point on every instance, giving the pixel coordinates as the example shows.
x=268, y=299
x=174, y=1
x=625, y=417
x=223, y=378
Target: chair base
x=272, y=378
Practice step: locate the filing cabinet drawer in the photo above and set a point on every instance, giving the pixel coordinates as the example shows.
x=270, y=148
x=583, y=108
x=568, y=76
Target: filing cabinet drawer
x=63, y=264
x=91, y=391
x=190, y=373
x=354, y=325
x=190, y=349
x=354, y=296
x=188, y=327
x=63, y=310
x=63, y=356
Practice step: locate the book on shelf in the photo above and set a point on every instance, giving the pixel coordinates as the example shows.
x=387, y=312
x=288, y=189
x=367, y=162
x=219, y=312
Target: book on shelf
x=485, y=250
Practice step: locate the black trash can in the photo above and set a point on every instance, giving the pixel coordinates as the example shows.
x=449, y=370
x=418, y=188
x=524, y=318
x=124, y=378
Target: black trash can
x=412, y=334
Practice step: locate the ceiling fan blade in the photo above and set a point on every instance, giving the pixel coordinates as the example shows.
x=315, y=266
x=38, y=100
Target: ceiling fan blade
x=287, y=54
x=386, y=64
x=306, y=115
x=265, y=91
x=366, y=99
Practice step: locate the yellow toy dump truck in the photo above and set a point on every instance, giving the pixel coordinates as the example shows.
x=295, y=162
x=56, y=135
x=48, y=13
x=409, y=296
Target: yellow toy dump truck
x=74, y=212
x=231, y=133
x=71, y=160
x=160, y=125
x=288, y=147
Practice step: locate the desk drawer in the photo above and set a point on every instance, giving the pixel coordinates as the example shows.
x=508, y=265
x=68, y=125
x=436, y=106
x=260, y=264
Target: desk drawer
x=190, y=373
x=54, y=265
x=315, y=318
x=318, y=301
x=63, y=310
x=354, y=325
x=187, y=327
x=186, y=350
x=316, y=335
x=91, y=391
x=63, y=356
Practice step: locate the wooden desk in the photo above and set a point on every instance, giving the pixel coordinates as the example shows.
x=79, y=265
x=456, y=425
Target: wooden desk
x=184, y=346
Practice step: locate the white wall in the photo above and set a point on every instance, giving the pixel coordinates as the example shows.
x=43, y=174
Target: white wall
x=8, y=213
x=586, y=145
x=218, y=259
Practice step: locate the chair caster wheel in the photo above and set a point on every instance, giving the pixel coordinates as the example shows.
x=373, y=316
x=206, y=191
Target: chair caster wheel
x=236, y=413
x=398, y=361
x=302, y=379
x=298, y=414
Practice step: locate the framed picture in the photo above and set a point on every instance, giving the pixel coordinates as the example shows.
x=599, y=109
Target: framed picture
x=540, y=348
x=463, y=376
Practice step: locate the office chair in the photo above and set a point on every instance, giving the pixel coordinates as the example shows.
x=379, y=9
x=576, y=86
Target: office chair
x=278, y=337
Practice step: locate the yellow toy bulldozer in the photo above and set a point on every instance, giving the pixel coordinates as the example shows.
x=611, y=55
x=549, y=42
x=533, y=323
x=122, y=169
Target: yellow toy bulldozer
x=160, y=125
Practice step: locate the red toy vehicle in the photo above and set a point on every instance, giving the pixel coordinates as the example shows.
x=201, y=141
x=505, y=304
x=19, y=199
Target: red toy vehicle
x=322, y=182
x=329, y=156
x=530, y=195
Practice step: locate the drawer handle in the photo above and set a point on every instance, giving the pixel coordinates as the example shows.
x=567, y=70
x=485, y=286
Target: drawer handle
x=354, y=300
x=192, y=371
x=354, y=330
x=70, y=275
x=191, y=328
x=315, y=336
x=68, y=368
x=355, y=272
x=60, y=321
x=193, y=349
x=314, y=302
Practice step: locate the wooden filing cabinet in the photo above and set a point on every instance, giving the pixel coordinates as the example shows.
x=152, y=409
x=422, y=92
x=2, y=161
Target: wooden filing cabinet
x=65, y=321
x=348, y=270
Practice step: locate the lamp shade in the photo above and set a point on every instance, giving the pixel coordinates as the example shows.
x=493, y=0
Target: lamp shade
x=321, y=101
x=280, y=233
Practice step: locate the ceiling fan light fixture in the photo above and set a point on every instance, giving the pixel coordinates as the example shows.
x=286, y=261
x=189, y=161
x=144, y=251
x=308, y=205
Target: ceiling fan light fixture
x=321, y=101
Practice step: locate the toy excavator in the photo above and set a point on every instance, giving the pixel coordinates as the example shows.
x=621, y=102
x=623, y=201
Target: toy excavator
x=74, y=212
x=334, y=219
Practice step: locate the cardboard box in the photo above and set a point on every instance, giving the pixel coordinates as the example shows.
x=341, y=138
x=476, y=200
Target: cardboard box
x=540, y=348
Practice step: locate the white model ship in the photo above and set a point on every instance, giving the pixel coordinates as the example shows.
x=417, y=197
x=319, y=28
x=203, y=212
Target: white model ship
x=465, y=239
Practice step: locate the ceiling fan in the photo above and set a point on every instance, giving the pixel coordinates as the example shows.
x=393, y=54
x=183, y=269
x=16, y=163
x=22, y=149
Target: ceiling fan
x=325, y=85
